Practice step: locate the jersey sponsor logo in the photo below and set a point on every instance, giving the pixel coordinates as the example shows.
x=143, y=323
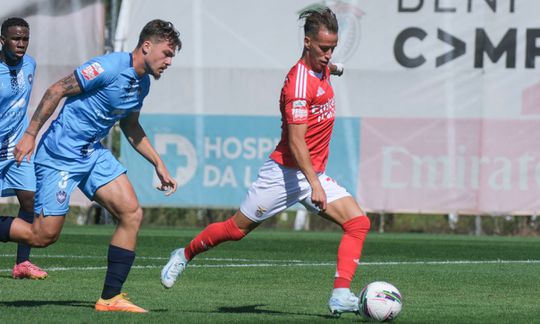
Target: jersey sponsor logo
x=299, y=110
x=92, y=71
x=326, y=111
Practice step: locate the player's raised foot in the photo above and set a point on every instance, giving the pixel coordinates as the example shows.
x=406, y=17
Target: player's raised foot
x=344, y=303
x=119, y=303
x=28, y=270
x=174, y=268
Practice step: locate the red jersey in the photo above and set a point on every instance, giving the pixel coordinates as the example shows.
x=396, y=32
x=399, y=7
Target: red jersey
x=306, y=98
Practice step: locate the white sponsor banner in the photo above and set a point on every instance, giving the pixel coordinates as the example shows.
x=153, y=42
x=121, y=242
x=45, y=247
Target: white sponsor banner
x=429, y=80
x=403, y=58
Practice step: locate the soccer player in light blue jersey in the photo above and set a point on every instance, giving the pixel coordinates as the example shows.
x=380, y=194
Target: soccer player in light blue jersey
x=17, y=72
x=99, y=93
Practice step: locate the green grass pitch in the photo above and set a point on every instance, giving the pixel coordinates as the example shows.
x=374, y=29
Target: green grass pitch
x=280, y=276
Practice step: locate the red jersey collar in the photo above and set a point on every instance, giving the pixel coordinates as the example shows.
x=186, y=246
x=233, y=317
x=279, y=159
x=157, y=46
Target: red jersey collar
x=323, y=75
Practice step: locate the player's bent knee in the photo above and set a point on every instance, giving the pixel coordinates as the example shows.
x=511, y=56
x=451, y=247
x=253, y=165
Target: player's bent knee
x=234, y=232
x=366, y=222
x=43, y=236
x=360, y=224
x=137, y=216
x=133, y=218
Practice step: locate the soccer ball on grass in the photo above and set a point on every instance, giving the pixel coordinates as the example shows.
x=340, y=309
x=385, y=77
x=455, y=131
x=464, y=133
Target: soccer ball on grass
x=380, y=301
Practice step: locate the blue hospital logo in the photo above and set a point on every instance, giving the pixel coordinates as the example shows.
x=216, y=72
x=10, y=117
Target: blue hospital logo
x=214, y=159
x=179, y=149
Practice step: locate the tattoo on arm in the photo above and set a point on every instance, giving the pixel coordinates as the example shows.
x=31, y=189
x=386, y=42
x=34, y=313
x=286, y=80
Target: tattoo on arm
x=44, y=110
x=68, y=86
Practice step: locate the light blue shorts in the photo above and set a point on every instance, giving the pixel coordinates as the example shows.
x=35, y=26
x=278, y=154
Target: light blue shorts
x=16, y=177
x=54, y=187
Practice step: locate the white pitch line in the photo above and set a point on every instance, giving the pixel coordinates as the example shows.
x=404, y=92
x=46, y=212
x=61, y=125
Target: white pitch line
x=99, y=257
x=306, y=264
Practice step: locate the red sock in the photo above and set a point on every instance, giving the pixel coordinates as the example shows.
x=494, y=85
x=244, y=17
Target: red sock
x=350, y=249
x=213, y=235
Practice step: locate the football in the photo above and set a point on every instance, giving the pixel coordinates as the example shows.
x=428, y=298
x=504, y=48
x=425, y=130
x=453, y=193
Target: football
x=380, y=301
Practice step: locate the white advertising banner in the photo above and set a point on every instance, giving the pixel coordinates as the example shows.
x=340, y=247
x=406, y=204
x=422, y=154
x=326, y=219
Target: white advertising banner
x=438, y=104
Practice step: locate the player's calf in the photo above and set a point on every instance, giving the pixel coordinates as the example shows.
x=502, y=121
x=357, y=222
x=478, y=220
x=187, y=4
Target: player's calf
x=5, y=227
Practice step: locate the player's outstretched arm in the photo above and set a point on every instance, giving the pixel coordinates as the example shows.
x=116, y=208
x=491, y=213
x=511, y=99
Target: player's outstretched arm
x=136, y=136
x=65, y=87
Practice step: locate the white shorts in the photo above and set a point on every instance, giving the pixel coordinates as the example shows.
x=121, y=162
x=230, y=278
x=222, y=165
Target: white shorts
x=278, y=187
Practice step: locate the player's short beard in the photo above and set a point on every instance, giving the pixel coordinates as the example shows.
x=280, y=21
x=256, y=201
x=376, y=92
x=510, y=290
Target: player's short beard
x=9, y=58
x=151, y=71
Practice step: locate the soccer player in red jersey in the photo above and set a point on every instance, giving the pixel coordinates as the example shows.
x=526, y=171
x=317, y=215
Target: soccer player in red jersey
x=295, y=171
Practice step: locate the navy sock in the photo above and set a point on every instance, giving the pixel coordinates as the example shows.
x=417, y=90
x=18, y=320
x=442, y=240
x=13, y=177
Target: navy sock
x=119, y=263
x=5, y=226
x=23, y=250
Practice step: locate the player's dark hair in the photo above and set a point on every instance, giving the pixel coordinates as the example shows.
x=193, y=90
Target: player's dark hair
x=160, y=30
x=13, y=21
x=317, y=18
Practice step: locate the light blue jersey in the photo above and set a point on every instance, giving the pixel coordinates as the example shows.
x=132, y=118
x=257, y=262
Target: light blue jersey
x=70, y=153
x=111, y=90
x=15, y=88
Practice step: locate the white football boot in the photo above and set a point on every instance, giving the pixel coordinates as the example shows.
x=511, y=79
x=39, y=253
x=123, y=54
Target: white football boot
x=344, y=302
x=176, y=265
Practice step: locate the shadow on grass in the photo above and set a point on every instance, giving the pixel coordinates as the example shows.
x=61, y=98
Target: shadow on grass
x=39, y=303
x=70, y=303
x=248, y=309
x=254, y=309
x=7, y=276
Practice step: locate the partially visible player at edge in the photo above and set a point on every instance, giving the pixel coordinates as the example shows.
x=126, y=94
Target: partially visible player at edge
x=100, y=92
x=17, y=72
x=295, y=171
